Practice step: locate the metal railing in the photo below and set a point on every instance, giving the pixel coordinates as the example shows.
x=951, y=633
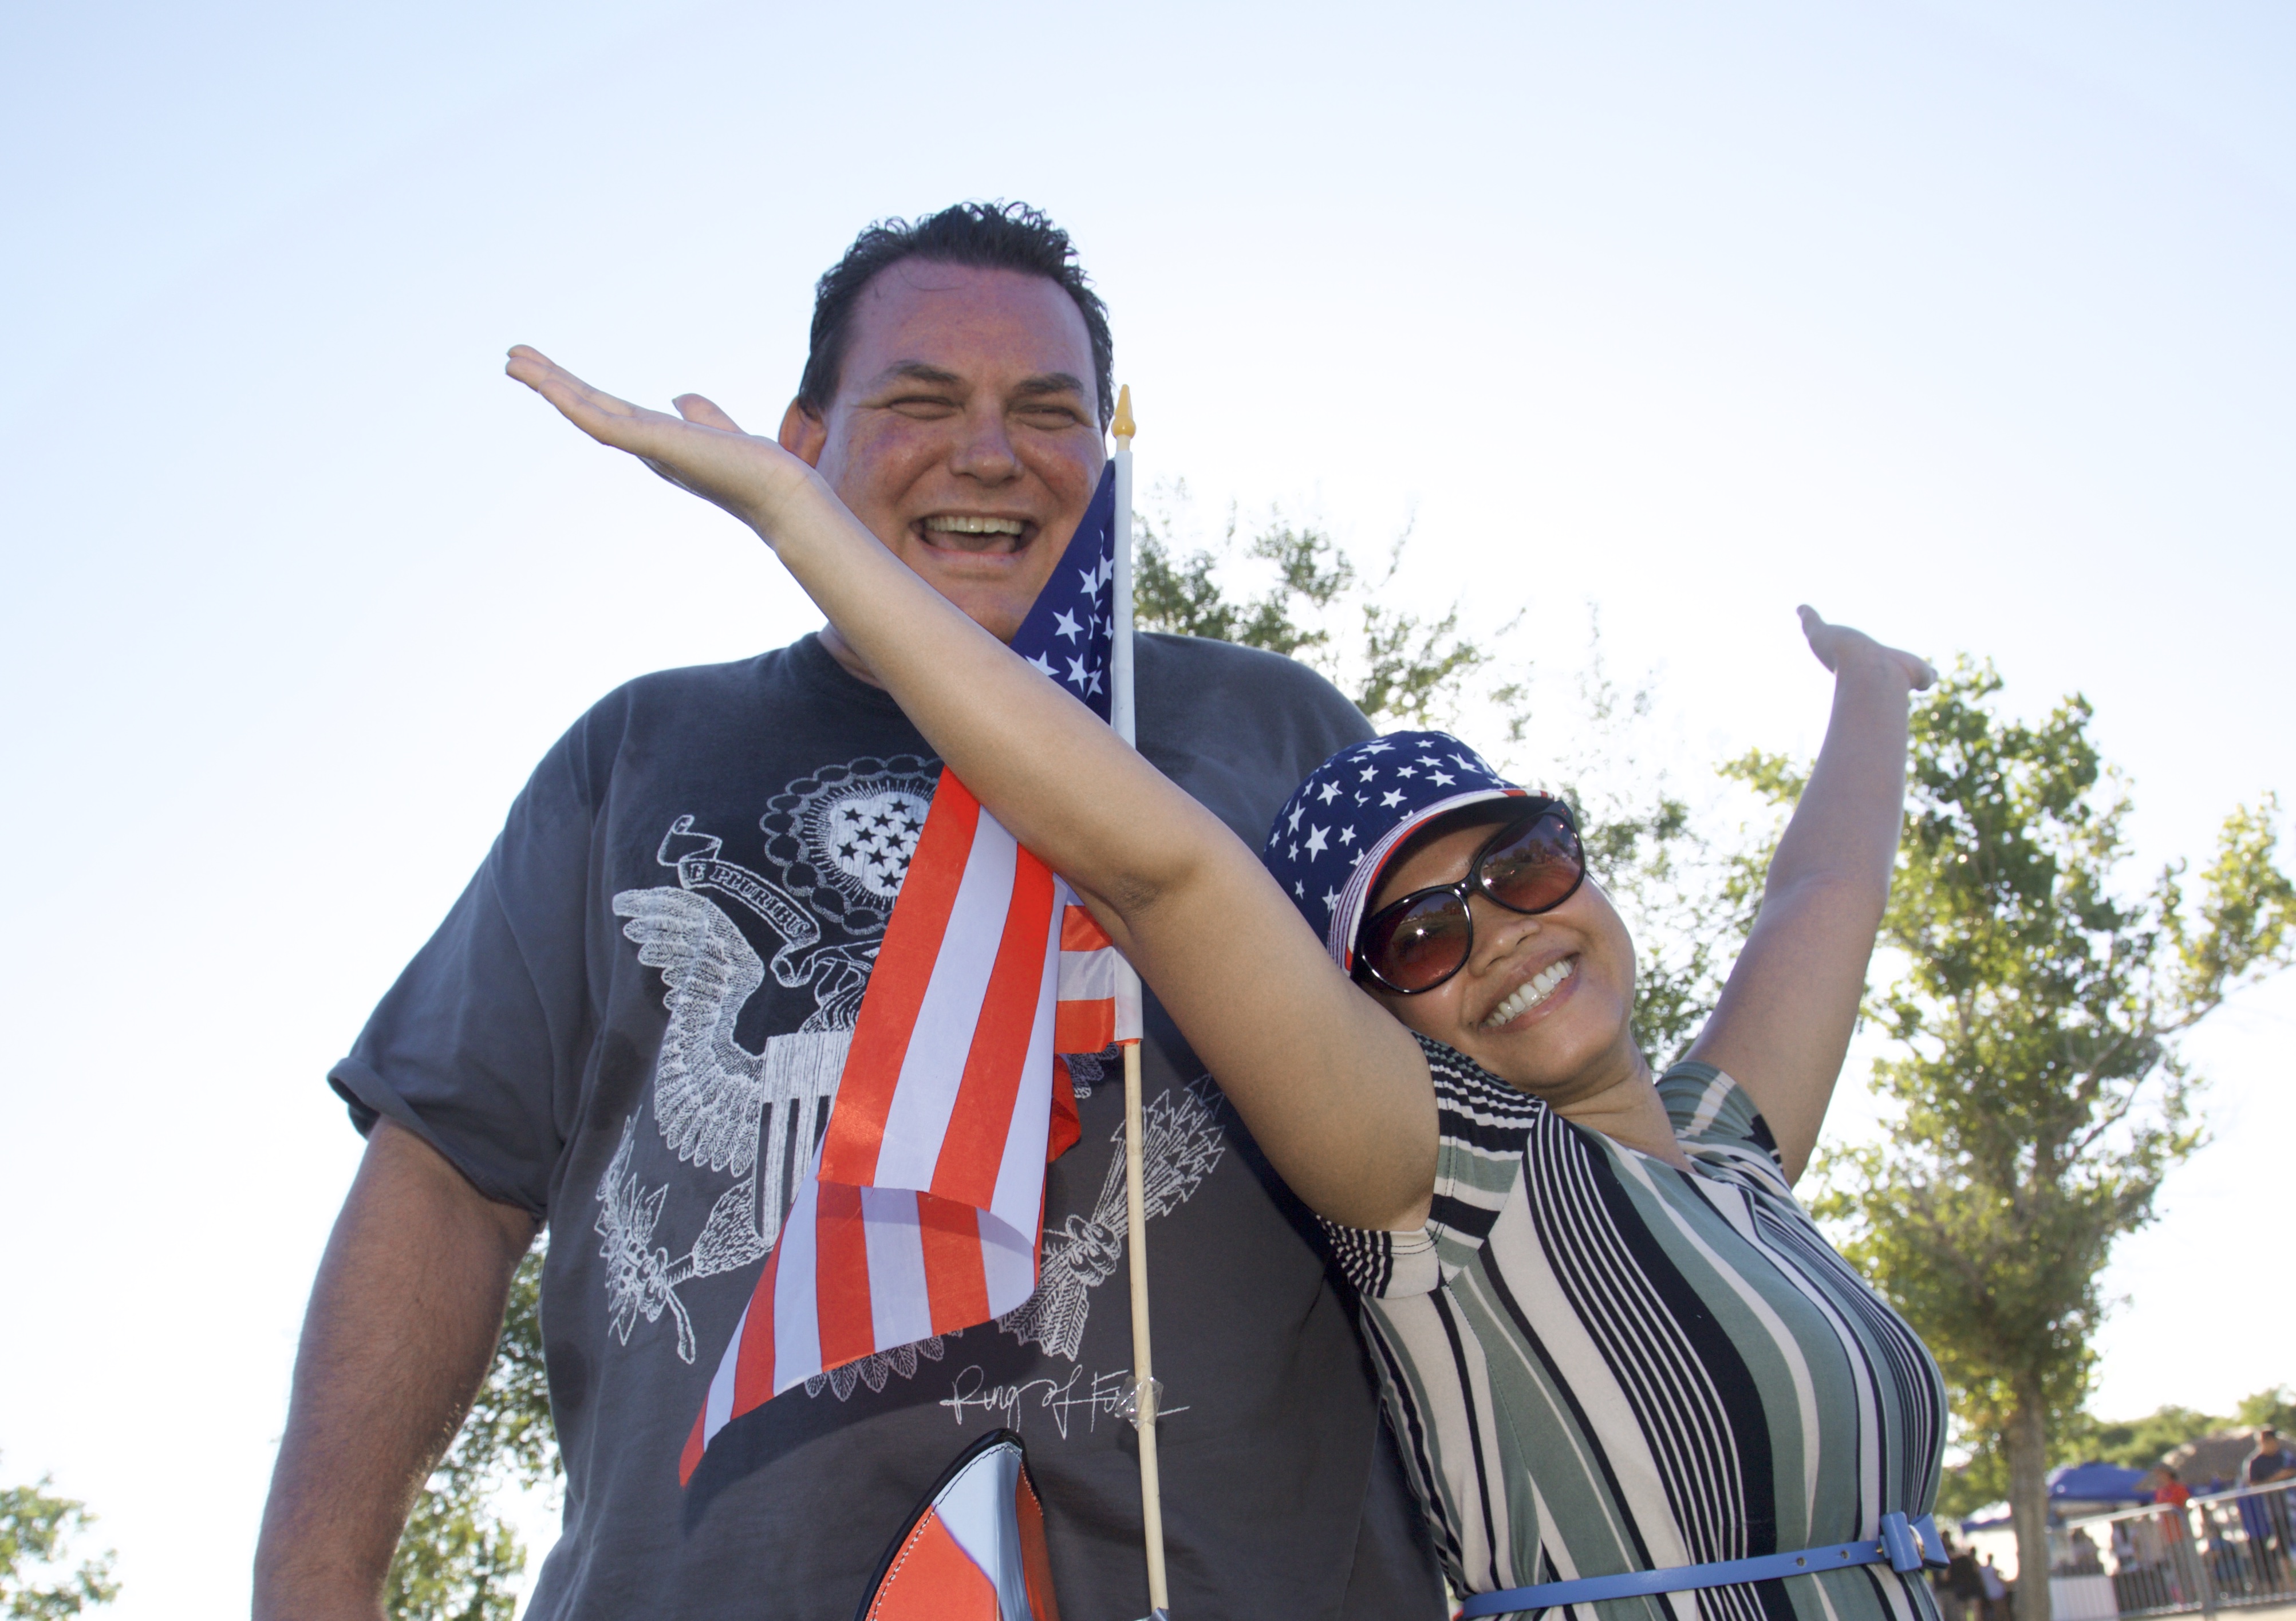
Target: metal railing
x=2223, y=1551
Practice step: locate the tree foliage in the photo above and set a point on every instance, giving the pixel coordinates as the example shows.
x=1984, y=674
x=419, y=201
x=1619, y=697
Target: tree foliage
x=459, y=1559
x=1320, y=608
x=2138, y=1443
x=2276, y=1407
x=2038, y=1092
x=1403, y=669
x=39, y=1580
x=2131, y=1443
x=2143, y=1443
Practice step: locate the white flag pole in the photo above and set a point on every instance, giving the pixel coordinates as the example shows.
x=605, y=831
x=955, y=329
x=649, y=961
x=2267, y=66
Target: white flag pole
x=1123, y=716
x=1120, y=713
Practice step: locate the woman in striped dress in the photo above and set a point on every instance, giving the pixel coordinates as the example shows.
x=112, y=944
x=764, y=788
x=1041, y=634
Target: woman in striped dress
x=1616, y=1343
x=1625, y=1370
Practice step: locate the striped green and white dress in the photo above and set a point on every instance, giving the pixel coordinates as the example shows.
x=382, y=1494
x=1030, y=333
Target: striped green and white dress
x=1595, y=1362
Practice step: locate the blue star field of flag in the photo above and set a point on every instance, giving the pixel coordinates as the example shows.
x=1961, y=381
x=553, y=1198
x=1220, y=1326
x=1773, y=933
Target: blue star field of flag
x=1069, y=631
x=1358, y=799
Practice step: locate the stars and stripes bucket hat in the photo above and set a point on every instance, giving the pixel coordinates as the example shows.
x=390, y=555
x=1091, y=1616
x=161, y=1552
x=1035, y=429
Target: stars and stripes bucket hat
x=1341, y=827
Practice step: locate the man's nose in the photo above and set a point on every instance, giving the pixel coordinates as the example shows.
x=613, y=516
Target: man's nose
x=984, y=450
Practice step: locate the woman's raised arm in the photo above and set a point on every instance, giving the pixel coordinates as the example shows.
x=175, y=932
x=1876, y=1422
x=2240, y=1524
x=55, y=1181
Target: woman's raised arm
x=1782, y=1026
x=1335, y=1092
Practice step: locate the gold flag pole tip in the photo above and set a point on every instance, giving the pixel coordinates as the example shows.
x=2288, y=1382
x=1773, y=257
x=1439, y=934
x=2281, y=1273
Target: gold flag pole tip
x=1123, y=427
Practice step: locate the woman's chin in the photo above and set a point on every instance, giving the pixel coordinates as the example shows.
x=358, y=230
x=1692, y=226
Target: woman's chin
x=1553, y=1057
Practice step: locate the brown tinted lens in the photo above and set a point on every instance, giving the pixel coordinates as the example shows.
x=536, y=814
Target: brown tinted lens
x=1419, y=943
x=1535, y=866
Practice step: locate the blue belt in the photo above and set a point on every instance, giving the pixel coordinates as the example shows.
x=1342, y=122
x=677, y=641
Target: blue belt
x=1904, y=1545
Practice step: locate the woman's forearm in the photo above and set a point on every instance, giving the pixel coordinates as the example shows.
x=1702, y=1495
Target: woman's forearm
x=1059, y=778
x=1331, y=1087
x=1845, y=827
x=1328, y=1085
x=1782, y=1026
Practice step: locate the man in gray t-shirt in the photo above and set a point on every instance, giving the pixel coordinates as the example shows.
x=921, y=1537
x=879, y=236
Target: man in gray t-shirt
x=631, y=1025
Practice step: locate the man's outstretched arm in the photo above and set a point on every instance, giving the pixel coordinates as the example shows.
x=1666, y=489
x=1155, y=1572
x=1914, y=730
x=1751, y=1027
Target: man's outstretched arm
x=401, y=1327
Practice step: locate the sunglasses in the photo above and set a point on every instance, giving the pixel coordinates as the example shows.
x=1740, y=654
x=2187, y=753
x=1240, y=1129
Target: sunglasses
x=1531, y=864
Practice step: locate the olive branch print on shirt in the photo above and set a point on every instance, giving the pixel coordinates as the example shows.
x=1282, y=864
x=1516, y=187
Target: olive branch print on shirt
x=839, y=842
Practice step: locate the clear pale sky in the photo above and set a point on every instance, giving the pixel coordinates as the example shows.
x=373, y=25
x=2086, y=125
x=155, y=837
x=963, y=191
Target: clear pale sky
x=1971, y=324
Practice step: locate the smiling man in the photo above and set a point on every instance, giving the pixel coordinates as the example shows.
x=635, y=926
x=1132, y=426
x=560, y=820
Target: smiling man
x=631, y=1026
x=958, y=411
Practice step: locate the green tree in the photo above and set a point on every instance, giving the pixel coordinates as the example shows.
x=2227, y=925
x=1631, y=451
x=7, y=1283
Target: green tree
x=458, y=1558
x=2140, y=1443
x=38, y=1581
x=2038, y=1095
x=1399, y=667
x=2131, y=1443
x=2276, y=1407
x=1983, y=1479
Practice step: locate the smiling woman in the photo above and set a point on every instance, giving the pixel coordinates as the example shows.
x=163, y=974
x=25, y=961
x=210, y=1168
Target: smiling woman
x=1621, y=1360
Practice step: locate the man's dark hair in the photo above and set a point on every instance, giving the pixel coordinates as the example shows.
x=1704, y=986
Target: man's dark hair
x=980, y=235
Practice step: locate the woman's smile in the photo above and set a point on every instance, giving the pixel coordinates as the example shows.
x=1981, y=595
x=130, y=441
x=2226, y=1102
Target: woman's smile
x=1542, y=990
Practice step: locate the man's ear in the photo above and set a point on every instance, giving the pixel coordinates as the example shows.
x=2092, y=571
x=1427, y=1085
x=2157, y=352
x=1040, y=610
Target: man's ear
x=804, y=435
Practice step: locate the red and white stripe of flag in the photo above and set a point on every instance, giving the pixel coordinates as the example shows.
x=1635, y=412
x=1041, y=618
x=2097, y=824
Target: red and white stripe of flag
x=1099, y=995
x=922, y=1212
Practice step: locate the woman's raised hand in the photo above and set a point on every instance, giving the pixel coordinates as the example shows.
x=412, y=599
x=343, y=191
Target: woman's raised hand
x=701, y=449
x=1837, y=644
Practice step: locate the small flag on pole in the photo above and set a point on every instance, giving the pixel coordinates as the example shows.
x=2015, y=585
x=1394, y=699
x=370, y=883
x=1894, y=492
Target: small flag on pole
x=921, y=1213
x=1100, y=995
x=1124, y=719
x=975, y=1551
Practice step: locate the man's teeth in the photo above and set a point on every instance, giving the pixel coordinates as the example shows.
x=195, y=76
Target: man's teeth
x=953, y=523
x=1531, y=992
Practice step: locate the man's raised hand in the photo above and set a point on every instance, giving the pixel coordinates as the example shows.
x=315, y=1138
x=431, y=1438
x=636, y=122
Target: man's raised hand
x=700, y=450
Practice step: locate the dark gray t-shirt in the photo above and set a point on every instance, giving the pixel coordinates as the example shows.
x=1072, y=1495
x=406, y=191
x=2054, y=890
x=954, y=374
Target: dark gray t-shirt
x=632, y=1023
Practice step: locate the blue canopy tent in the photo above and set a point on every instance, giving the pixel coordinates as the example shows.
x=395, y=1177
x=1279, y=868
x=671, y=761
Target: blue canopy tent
x=2106, y=1483
x=2075, y=1489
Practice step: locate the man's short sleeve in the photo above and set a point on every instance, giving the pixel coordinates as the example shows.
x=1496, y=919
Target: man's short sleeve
x=478, y=1047
x=1239, y=727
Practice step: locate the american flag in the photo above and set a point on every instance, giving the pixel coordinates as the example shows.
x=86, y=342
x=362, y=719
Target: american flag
x=975, y=1551
x=923, y=1211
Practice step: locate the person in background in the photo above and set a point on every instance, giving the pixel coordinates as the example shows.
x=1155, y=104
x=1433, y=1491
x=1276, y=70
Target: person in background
x=1959, y=1591
x=1998, y=1607
x=2125, y=1554
x=2170, y=1494
x=2271, y=1460
x=2270, y=1464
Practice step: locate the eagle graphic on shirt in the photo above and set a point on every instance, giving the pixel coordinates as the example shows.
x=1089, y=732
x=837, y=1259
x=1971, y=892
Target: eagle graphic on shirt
x=839, y=842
